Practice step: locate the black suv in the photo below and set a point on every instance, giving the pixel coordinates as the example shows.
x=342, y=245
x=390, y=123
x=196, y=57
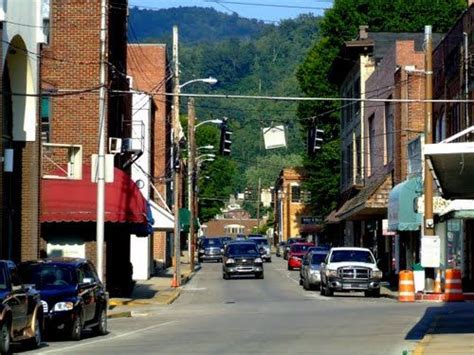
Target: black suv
x=210, y=249
x=72, y=295
x=21, y=312
x=242, y=258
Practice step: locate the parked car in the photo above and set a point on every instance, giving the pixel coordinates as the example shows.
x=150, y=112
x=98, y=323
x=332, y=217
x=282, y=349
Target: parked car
x=240, y=237
x=296, y=253
x=21, y=311
x=242, y=258
x=263, y=247
x=350, y=269
x=210, y=249
x=253, y=236
x=323, y=248
x=280, y=250
x=72, y=295
x=310, y=276
x=289, y=242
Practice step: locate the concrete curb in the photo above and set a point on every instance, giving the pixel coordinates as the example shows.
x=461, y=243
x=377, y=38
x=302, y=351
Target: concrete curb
x=423, y=343
x=167, y=297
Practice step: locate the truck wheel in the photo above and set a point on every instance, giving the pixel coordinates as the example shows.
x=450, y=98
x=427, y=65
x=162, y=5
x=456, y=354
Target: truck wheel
x=306, y=284
x=5, y=339
x=327, y=291
x=75, y=332
x=35, y=341
x=101, y=327
x=225, y=275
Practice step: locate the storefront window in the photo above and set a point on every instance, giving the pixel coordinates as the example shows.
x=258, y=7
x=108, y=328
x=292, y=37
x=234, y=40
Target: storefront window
x=454, y=244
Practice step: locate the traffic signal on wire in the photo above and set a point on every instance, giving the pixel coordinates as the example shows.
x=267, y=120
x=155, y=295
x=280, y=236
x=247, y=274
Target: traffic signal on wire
x=226, y=138
x=315, y=139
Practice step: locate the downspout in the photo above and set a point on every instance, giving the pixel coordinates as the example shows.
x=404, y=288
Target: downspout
x=466, y=80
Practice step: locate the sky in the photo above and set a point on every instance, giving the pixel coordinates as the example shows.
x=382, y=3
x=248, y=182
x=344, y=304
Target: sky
x=265, y=10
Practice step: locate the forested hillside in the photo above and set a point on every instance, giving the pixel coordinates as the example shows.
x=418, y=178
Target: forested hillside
x=196, y=25
x=264, y=64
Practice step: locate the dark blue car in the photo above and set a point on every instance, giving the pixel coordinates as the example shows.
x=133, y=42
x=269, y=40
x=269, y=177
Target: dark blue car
x=73, y=297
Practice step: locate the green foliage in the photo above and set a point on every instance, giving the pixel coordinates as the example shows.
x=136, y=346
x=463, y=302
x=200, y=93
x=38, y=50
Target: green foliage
x=340, y=24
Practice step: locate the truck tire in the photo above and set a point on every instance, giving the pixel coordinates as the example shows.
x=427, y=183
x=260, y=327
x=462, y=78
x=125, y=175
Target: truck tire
x=328, y=292
x=373, y=293
x=4, y=339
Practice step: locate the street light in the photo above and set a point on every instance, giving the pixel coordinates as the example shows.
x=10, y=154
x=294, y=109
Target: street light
x=176, y=282
x=208, y=155
x=217, y=121
x=208, y=147
x=210, y=81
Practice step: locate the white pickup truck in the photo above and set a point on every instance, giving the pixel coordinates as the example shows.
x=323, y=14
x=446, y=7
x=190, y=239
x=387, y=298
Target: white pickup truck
x=350, y=269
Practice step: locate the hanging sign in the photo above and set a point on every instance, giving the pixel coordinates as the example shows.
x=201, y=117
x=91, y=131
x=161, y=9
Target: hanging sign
x=274, y=137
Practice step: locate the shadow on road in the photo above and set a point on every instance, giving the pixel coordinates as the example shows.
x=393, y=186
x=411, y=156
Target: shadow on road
x=447, y=318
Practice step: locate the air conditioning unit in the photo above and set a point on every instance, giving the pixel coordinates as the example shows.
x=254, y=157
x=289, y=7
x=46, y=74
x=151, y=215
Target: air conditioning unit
x=115, y=145
x=132, y=145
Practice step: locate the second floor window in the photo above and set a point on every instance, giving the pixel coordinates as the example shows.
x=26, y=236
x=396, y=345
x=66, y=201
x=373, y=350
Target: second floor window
x=372, y=150
x=45, y=119
x=389, y=132
x=295, y=193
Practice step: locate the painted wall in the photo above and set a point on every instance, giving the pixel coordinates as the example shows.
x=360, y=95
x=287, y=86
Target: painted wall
x=23, y=48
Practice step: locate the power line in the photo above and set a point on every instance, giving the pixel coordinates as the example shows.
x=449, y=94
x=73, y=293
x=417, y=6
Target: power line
x=269, y=5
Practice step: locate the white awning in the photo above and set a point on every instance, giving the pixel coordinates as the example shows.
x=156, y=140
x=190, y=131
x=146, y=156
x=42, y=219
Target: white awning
x=163, y=220
x=452, y=166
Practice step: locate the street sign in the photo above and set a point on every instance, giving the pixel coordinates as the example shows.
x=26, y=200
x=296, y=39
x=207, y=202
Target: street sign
x=430, y=251
x=310, y=220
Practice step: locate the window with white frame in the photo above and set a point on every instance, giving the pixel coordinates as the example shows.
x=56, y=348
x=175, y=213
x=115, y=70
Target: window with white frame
x=372, y=149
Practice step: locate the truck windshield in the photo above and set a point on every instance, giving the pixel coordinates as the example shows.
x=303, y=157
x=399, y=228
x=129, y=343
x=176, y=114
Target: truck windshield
x=360, y=256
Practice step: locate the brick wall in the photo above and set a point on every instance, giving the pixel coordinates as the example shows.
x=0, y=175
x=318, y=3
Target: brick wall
x=215, y=227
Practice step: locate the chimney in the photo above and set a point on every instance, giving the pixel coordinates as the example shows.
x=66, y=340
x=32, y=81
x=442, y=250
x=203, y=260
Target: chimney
x=363, y=34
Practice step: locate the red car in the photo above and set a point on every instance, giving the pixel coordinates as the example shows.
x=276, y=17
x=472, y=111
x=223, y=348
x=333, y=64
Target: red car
x=296, y=253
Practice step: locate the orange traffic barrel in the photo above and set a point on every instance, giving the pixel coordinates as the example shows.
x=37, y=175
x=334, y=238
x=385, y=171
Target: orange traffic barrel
x=453, y=286
x=406, y=286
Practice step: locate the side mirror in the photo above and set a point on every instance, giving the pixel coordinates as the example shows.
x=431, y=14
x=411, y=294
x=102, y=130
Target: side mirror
x=87, y=280
x=262, y=251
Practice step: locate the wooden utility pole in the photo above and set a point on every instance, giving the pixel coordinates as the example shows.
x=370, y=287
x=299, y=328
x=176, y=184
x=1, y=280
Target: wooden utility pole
x=176, y=282
x=428, y=225
x=191, y=174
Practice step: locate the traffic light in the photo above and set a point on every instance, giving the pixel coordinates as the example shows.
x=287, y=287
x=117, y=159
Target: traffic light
x=226, y=138
x=314, y=139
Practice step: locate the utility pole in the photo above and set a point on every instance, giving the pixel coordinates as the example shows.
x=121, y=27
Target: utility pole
x=176, y=282
x=428, y=227
x=258, y=203
x=101, y=153
x=191, y=172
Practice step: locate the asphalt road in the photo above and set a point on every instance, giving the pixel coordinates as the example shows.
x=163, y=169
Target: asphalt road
x=248, y=316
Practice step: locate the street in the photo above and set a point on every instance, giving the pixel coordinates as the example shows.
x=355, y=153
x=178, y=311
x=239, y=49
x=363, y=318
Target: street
x=274, y=315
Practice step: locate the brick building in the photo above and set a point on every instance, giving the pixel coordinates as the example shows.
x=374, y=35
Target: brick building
x=231, y=227
x=70, y=65
x=147, y=67
x=375, y=141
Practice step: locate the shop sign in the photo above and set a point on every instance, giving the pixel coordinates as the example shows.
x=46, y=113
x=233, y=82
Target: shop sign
x=310, y=220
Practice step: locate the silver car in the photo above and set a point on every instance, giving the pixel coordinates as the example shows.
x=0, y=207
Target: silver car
x=310, y=276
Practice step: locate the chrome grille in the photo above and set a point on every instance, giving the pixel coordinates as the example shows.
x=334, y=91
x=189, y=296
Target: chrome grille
x=45, y=307
x=243, y=261
x=354, y=273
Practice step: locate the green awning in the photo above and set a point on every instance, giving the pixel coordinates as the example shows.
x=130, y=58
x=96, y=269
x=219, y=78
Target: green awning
x=402, y=215
x=184, y=218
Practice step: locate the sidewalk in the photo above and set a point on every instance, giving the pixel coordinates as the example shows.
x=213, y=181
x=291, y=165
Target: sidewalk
x=155, y=291
x=451, y=332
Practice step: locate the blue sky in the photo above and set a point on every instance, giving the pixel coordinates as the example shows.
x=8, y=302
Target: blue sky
x=274, y=10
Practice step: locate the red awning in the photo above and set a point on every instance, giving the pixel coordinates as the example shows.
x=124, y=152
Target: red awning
x=76, y=200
